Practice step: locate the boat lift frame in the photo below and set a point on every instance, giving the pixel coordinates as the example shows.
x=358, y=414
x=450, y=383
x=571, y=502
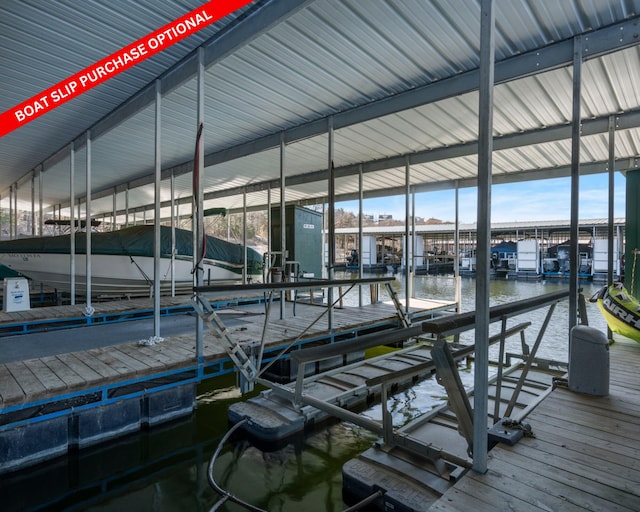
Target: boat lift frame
x=248, y=357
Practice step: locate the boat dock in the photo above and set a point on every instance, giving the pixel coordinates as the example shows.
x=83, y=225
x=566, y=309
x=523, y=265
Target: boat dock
x=584, y=455
x=573, y=451
x=76, y=399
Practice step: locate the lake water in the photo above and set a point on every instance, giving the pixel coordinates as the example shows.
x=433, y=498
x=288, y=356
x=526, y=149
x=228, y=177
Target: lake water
x=166, y=469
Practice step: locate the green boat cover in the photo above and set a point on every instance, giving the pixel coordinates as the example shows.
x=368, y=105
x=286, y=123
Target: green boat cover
x=137, y=241
x=7, y=272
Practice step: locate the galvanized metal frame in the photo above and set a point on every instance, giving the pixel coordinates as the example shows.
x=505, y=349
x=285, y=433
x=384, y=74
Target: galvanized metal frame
x=156, y=216
x=88, y=308
x=483, y=253
x=72, y=211
x=574, y=253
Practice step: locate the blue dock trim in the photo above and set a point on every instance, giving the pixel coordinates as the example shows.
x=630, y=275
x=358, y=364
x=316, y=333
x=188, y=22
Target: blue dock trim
x=42, y=429
x=22, y=326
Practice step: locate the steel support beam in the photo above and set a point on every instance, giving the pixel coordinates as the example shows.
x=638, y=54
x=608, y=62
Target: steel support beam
x=88, y=309
x=574, y=253
x=483, y=256
x=197, y=224
x=611, y=188
x=331, y=218
x=72, y=217
x=156, y=201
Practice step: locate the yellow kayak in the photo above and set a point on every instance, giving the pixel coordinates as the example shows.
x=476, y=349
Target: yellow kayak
x=620, y=309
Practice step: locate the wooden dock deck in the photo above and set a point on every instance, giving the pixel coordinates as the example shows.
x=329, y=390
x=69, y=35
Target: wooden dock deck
x=585, y=454
x=74, y=399
x=41, y=378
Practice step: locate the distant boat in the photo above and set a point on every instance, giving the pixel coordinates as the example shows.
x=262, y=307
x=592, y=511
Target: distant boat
x=122, y=261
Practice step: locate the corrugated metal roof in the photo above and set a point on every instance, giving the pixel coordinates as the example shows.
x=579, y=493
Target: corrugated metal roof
x=399, y=79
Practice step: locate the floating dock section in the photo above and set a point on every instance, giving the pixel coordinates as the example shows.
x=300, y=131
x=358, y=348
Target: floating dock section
x=414, y=465
x=52, y=404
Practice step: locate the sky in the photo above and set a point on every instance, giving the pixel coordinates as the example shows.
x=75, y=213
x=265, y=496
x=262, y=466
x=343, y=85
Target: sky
x=542, y=200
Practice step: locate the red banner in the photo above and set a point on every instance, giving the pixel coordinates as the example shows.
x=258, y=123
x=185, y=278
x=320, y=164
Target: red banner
x=116, y=63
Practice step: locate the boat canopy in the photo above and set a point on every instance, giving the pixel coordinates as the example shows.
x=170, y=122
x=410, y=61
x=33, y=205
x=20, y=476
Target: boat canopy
x=136, y=241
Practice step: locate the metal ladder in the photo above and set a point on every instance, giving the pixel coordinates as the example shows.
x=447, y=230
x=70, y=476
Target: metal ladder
x=402, y=313
x=244, y=362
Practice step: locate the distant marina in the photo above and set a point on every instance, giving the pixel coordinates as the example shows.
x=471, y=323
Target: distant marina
x=521, y=250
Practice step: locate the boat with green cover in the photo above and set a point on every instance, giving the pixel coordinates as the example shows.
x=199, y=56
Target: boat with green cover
x=122, y=261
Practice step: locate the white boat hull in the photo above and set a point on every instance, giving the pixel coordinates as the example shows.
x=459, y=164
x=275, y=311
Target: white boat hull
x=117, y=274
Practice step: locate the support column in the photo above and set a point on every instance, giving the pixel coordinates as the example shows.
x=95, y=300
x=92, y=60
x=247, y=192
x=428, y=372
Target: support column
x=173, y=234
x=88, y=310
x=485, y=159
x=244, y=236
x=331, y=220
x=267, y=260
x=283, y=222
x=456, y=251
x=197, y=224
x=126, y=207
x=407, y=235
x=611, y=176
x=72, y=218
x=115, y=209
x=33, y=203
x=360, y=228
x=574, y=253
x=632, y=235
x=156, y=223
x=15, y=211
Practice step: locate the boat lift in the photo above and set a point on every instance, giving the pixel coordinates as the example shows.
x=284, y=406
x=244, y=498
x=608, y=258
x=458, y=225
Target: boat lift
x=434, y=461
x=248, y=357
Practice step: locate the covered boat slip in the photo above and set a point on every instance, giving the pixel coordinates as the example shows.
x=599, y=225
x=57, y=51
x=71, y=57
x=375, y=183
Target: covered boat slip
x=77, y=399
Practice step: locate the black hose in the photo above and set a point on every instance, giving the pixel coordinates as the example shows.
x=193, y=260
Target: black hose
x=226, y=494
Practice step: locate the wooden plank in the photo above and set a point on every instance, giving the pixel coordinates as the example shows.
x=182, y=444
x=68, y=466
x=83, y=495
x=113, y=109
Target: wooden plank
x=610, y=463
x=50, y=380
x=115, y=366
x=610, y=449
x=29, y=383
x=149, y=354
x=134, y=364
x=90, y=376
x=604, y=425
x=581, y=466
x=97, y=365
x=173, y=349
x=457, y=500
x=548, y=484
x=11, y=392
x=504, y=500
x=64, y=372
x=619, y=399
x=182, y=345
x=570, y=425
x=614, y=406
x=581, y=483
x=135, y=358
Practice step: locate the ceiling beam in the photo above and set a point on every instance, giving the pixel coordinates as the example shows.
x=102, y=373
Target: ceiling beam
x=554, y=56
x=590, y=127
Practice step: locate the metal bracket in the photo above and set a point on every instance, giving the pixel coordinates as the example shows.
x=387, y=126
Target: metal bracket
x=447, y=375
